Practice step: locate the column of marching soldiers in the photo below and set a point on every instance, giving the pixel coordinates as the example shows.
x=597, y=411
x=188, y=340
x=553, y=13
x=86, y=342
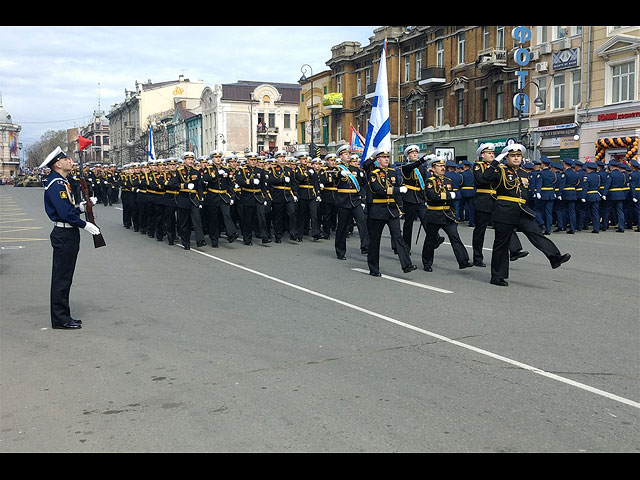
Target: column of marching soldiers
x=251, y=197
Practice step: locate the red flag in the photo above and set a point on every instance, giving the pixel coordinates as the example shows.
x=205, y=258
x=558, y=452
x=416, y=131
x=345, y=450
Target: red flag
x=84, y=142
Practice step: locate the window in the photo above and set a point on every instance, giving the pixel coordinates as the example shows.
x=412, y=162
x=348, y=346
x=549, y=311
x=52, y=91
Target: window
x=485, y=104
x=500, y=37
x=576, y=88
x=542, y=84
x=499, y=100
x=339, y=83
x=418, y=66
x=359, y=83
x=439, y=112
x=461, y=42
x=440, y=53
x=406, y=67
x=339, y=129
x=623, y=82
x=485, y=38
x=418, y=118
x=558, y=91
x=460, y=106
x=287, y=120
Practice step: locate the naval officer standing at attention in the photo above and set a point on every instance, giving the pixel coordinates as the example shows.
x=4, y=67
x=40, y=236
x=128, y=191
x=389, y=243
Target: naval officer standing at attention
x=65, y=236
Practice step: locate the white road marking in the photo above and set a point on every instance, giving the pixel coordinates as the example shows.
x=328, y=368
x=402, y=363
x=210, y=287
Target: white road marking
x=408, y=282
x=480, y=351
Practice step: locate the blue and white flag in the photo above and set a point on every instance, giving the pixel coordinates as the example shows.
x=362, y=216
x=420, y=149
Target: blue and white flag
x=152, y=151
x=379, y=131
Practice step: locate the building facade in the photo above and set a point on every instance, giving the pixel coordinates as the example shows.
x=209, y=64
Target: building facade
x=9, y=145
x=149, y=104
x=249, y=116
x=98, y=132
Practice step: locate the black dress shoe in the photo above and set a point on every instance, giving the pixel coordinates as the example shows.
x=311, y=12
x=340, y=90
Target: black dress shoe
x=265, y=241
x=465, y=265
x=201, y=244
x=68, y=326
x=375, y=274
x=593, y=231
x=214, y=245
x=479, y=264
x=364, y=251
x=521, y=254
x=341, y=257
x=248, y=242
x=187, y=247
x=232, y=238
x=428, y=269
x=317, y=237
x=278, y=240
x=499, y=281
x=409, y=268
x=439, y=242
x=560, y=260
x=75, y=320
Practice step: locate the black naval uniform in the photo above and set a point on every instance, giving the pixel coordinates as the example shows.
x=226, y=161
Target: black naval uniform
x=441, y=215
x=169, y=206
x=384, y=211
x=308, y=192
x=328, y=178
x=483, y=206
x=511, y=212
x=350, y=196
x=189, y=185
x=284, y=190
x=219, y=183
x=252, y=183
x=128, y=198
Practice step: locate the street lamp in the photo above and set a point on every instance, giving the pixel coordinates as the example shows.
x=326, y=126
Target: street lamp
x=520, y=97
x=302, y=80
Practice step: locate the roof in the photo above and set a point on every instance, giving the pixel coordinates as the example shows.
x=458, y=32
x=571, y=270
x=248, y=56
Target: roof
x=242, y=89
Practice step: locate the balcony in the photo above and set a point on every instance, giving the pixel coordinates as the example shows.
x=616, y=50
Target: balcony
x=432, y=75
x=492, y=58
x=267, y=131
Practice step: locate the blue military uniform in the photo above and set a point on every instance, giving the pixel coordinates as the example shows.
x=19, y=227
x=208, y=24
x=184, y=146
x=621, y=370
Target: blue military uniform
x=615, y=192
x=468, y=192
x=568, y=197
x=545, y=194
x=65, y=239
x=634, y=186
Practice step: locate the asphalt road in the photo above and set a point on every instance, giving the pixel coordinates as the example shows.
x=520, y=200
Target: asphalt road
x=284, y=348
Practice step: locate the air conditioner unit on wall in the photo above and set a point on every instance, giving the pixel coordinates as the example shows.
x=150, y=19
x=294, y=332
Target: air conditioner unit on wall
x=542, y=66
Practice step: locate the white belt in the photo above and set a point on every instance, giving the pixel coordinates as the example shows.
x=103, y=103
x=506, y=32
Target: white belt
x=63, y=225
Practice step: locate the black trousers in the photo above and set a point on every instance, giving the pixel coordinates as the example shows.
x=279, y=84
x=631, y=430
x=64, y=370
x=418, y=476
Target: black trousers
x=169, y=222
x=307, y=210
x=216, y=211
x=188, y=219
x=345, y=215
x=253, y=214
x=503, y=234
x=66, y=245
x=375, y=227
x=477, y=242
x=411, y=212
x=284, y=212
x=431, y=237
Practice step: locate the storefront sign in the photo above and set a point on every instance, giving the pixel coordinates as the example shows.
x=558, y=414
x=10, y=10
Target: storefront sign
x=565, y=59
x=617, y=116
x=521, y=56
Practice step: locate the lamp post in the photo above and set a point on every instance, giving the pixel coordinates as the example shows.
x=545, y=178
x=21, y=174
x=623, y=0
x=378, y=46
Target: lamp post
x=302, y=80
x=520, y=97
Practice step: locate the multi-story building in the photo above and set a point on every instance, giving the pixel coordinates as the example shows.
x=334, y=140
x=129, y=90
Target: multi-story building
x=98, y=132
x=450, y=87
x=9, y=145
x=150, y=104
x=249, y=116
x=315, y=113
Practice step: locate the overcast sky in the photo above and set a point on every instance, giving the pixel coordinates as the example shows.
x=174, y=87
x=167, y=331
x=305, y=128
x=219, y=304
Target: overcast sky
x=51, y=77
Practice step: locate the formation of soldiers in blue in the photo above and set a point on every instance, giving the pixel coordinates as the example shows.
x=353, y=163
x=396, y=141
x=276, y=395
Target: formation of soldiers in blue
x=252, y=197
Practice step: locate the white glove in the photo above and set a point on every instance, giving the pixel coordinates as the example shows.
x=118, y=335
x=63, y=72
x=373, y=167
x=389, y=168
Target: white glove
x=453, y=194
x=584, y=199
x=321, y=185
x=265, y=203
x=635, y=200
x=256, y=181
x=604, y=197
x=231, y=202
x=538, y=196
x=94, y=200
x=287, y=179
x=311, y=171
x=91, y=228
x=295, y=199
x=222, y=172
x=362, y=205
x=190, y=186
x=343, y=173
x=559, y=197
x=318, y=199
x=403, y=189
